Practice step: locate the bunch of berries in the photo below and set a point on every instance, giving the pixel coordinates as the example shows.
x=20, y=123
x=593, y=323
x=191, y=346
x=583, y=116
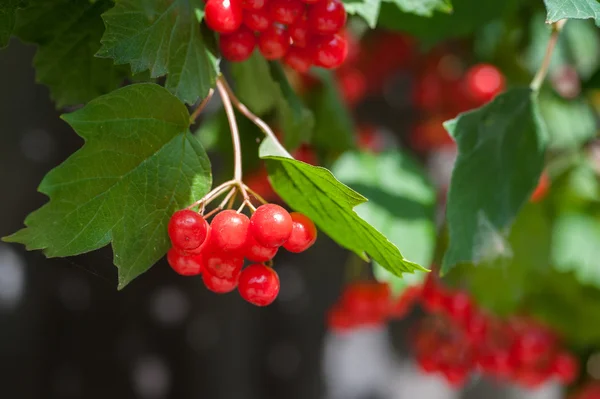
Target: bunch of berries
x=301, y=32
x=369, y=303
x=459, y=338
x=217, y=251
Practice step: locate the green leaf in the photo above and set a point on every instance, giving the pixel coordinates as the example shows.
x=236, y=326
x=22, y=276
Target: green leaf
x=165, y=38
x=254, y=84
x=366, y=9
x=7, y=20
x=500, y=158
x=315, y=192
x=401, y=204
x=138, y=165
x=575, y=9
x=334, y=128
x=68, y=34
x=424, y=8
x=466, y=16
x=575, y=246
x=570, y=122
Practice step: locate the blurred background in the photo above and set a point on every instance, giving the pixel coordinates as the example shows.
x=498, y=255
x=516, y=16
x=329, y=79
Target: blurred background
x=66, y=332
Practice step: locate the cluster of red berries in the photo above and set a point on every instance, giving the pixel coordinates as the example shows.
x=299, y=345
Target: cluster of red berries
x=369, y=303
x=590, y=390
x=217, y=251
x=459, y=338
x=301, y=32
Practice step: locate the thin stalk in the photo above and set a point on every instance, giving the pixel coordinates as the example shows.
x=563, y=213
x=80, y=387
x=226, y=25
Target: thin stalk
x=201, y=106
x=214, y=193
x=235, y=134
x=540, y=75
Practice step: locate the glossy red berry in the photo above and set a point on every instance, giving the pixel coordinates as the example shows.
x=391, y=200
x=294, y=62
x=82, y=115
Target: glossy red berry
x=237, y=46
x=259, y=285
x=286, y=11
x=187, y=229
x=484, y=82
x=304, y=233
x=565, y=367
x=274, y=42
x=222, y=264
x=184, y=264
x=271, y=225
x=219, y=285
x=228, y=231
x=223, y=16
x=253, y=4
x=326, y=17
x=458, y=306
x=257, y=20
x=299, y=32
x=329, y=51
x=310, y=1
x=255, y=252
x=299, y=59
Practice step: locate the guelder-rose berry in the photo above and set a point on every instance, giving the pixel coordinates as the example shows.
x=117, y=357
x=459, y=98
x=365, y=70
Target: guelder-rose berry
x=253, y=4
x=286, y=11
x=219, y=285
x=228, y=230
x=223, y=16
x=271, y=225
x=257, y=20
x=484, y=82
x=326, y=17
x=330, y=51
x=304, y=233
x=299, y=32
x=187, y=229
x=274, y=42
x=237, y=46
x=259, y=285
x=255, y=252
x=222, y=264
x=184, y=264
x=565, y=367
x=299, y=59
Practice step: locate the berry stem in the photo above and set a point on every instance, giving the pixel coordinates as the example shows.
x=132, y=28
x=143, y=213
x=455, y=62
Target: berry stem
x=214, y=193
x=235, y=134
x=201, y=106
x=262, y=125
x=540, y=75
x=255, y=195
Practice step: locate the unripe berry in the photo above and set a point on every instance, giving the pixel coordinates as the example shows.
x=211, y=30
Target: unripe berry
x=187, y=229
x=304, y=233
x=184, y=264
x=223, y=16
x=259, y=285
x=271, y=225
x=228, y=231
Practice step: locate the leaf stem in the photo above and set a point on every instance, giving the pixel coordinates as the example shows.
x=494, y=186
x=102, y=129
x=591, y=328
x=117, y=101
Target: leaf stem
x=201, y=106
x=540, y=75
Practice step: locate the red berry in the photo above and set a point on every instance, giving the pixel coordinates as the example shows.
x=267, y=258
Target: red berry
x=299, y=32
x=304, y=233
x=433, y=295
x=311, y=1
x=271, y=225
x=184, y=264
x=299, y=59
x=222, y=265
x=219, y=285
x=484, y=82
x=531, y=345
x=456, y=375
x=228, y=230
x=353, y=85
x=237, y=46
x=476, y=327
x=257, y=20
x=338, y=319
x=259, y=284
x=541, y=189
x=187, y=229
x=253, y=4
x=330, y=51
x=566, y=367
x=326, y=17
x=274, y=42
x=255, y=252
x=223, y=16
x=286, y=11
x=458, y=306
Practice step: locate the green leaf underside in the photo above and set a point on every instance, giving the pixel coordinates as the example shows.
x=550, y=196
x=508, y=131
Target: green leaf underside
x=575, y=246
x=424, y=8
x=401, y=204
x=7, y=20
x=575, y=9
x=165, y=38
x=138, y=165
x=68, y=35
x=500, y=158
x=366, y=9
x=315, y=192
